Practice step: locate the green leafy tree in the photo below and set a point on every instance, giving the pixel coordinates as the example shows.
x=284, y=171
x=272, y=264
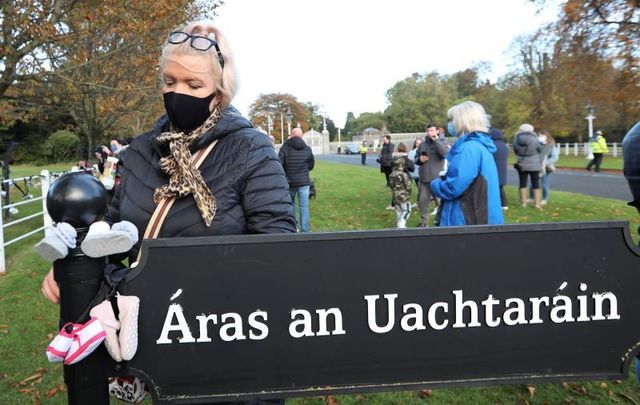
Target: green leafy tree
x=349, y=125
x=369, y=120
x=418, y=100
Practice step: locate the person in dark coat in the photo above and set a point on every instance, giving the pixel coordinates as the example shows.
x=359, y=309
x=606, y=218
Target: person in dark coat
x=297, y=160
x=631, y=157
x=501, y=155
x=386, y=163
x=240, y=188
x=431, y=159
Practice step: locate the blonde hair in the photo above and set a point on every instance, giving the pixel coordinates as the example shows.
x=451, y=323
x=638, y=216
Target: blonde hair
x=224, y=78
x=469, y=116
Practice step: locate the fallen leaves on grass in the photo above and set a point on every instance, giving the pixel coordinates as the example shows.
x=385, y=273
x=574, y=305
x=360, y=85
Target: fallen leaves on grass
x=520, y=400
x=35, y=378
x=579, y=389
x=627, y=397
x=55, y=390
x=424, y=393
x=612, y=395
x=532, y=391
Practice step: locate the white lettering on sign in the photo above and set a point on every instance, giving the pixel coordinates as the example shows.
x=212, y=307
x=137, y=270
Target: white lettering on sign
x=232, y=327
x=382, y=313
x=302, y=323
x=490, y=312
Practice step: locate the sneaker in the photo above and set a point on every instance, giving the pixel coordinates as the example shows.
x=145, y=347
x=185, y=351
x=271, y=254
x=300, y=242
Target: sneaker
x=390, y=208
x=434, y=212
x=60, y=345
x=543, y=202
x=414, y=205
x=86, y=339
x=505, y=208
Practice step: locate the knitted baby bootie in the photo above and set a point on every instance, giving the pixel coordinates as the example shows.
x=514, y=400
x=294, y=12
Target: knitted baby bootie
x=102, y=241
x=57, y=242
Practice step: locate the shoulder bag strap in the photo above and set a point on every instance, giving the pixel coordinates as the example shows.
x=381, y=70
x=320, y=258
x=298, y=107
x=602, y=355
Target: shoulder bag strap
x=162, y=209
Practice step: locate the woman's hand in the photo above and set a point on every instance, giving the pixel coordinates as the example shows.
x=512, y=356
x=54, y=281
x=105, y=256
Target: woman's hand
x=50, y=288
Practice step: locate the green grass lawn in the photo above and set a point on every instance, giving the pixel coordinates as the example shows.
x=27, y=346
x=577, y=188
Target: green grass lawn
x=580, y=162
x=349, y=198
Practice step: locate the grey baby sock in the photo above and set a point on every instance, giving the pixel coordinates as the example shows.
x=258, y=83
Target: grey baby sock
x=57, y=242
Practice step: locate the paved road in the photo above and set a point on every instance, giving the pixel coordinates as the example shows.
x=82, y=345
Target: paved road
x=609, y=185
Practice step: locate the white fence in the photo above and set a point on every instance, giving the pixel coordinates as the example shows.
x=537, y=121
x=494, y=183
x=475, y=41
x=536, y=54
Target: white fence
x=582, y=149
x=46, y=179
x=566, y=149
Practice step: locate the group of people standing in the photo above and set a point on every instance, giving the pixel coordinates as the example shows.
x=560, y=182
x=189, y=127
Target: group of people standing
x=462, y=179
x=466, y=185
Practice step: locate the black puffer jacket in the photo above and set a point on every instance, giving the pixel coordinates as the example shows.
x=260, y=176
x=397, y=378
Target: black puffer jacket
x=242, y=171
x=297, y=159
x=386, y=155
x=501, y=155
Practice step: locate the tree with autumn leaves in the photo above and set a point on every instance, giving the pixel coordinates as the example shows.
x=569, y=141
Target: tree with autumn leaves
x=278, y=108
x=94, y=61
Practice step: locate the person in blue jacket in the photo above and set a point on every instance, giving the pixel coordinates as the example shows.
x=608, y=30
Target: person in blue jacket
x=470, y=189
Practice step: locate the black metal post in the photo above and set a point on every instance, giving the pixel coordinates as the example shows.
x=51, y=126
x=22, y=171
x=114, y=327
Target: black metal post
x=80, y=278
x=80, y=199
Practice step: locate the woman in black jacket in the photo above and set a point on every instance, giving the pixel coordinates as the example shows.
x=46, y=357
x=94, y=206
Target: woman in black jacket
x=240, y=188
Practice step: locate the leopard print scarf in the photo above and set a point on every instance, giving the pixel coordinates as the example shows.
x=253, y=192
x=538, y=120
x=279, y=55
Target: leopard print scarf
x=184, y=178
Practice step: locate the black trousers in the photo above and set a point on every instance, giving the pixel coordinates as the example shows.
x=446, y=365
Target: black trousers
x=597, y=161
x=535, y=179
x=503, y=197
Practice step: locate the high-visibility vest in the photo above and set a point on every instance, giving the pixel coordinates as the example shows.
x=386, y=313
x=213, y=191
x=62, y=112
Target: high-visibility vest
x=599, y=145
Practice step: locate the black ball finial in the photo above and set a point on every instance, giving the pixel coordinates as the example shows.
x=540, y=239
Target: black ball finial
x=77, y=198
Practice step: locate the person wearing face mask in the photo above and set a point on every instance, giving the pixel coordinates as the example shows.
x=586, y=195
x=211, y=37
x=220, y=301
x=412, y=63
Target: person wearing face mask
x=116, y=147
x=240, y=186
x=470, y=189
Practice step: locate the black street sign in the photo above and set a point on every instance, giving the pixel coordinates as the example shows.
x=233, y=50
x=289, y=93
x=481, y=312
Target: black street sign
x=275, y=316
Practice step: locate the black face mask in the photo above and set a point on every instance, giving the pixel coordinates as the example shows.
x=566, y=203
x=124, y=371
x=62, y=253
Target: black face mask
x=187, y=112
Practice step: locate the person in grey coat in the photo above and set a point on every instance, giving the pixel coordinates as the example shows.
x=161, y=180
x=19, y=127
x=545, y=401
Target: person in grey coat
x=527, y=148
x=501, y=156
x=430, y=158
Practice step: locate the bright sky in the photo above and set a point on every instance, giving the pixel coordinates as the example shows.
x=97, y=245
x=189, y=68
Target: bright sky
x=345, y=54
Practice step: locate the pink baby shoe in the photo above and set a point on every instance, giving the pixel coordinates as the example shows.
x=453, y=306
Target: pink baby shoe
x=60, y=345
x=104, y=313
x=86, y=339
